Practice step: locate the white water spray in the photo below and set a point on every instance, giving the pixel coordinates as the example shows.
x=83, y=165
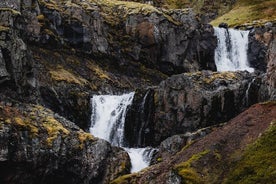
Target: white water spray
x=140, y=157
x=108, y=121
x=231, y=52
x=108, y=117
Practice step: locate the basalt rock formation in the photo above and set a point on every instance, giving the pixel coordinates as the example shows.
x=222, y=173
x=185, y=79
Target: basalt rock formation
x=187, y=102
x=59, y=53
x=271, y=69
x=39, y=146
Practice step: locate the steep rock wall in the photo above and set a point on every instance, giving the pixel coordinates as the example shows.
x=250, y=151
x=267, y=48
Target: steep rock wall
x=39, y=146
x=187, y=102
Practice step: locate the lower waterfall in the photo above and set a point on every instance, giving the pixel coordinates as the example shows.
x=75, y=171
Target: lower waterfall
x=107, y=122
x=231, y=51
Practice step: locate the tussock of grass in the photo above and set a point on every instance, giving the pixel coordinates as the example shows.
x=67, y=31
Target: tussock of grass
x=185, y=170
x=63, y=75
x=245, y=12
x=220, y=75
x=4, y=28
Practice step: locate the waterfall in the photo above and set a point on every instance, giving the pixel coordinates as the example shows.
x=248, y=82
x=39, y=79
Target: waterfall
x=108, y=121
x=231, y=52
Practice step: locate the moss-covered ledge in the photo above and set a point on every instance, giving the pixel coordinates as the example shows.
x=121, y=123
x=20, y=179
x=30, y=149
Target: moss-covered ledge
x=39, y=146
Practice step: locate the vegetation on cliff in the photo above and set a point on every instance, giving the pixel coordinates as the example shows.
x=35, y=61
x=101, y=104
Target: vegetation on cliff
x=257, y=163
x=241, y=151
x=248, y=12
x=57, y=54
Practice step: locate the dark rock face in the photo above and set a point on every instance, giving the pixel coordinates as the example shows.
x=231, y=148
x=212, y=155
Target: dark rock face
x=257, y=53
x=259, y=42
x=174, y=144
x=81, y=48
x=139, y=121
x=38, y=146
x=187, y=102
x=173, y=42
x=271, y=69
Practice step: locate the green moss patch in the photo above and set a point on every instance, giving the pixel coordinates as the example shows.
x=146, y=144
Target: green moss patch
x=187, y=172
x=125, y=179
x=248, y=12
x=61, y=74
x=220, y=75
x=258, y=163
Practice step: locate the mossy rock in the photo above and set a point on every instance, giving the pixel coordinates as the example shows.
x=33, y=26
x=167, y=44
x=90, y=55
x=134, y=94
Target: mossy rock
x=257, y=164
x=187, y=172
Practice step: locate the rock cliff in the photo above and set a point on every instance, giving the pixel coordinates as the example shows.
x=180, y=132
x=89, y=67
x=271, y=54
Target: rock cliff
x=187, y=102
x=57, y=54
x=39, y=146
x=67, y=50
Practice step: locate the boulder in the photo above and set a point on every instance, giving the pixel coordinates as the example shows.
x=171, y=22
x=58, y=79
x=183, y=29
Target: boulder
x=39, y=146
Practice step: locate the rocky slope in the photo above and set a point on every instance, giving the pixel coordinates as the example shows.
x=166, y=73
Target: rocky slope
x=242, y=151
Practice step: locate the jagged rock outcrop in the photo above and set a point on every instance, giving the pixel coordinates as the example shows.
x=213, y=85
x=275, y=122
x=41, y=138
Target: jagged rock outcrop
x=271, y=69
x=65, y=51
x=139, y=121
x=171, y=41
x=241, y=151
x=39, y=146
x=259, y=41
x=187, y=102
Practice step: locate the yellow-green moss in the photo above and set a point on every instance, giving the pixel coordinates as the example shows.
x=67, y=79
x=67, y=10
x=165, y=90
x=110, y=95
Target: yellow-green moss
x=217, y=155
x=25, y=122
x=61, y=74
x=40, y=17
x=245, y=12
x=257, y=164
x=220, y=75
x=83, y=137
x=8, y=121
x=14, y=12
x=4, y=29
x=50, y=4
x=268, y=103
x=187, y=172
x=99, y=72
x=53, y=128
x=125, y=179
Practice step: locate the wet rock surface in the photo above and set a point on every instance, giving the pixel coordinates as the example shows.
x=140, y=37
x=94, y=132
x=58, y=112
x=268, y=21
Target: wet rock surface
x=57, y=54
x=271, y=69
x=39, y=146
x=187, y=102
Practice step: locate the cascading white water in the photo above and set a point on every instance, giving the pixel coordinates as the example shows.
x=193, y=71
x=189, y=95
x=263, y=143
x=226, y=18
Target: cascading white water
x=231, y=52
x=140, y=157
x=108, y=121
x=108, y=117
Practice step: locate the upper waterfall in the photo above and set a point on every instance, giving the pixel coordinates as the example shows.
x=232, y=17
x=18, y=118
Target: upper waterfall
x=231, y=52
